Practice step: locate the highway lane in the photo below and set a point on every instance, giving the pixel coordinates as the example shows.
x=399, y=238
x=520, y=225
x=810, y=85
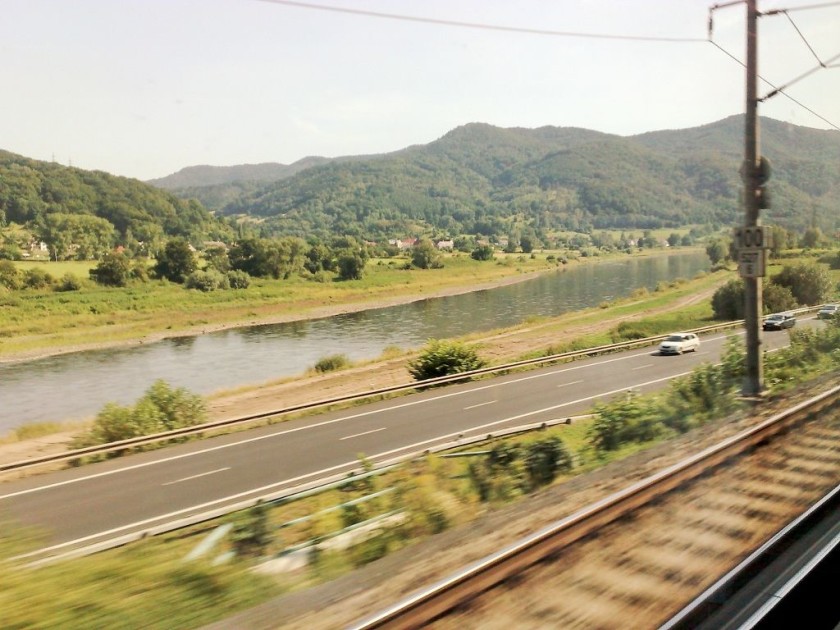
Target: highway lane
x=134, y=492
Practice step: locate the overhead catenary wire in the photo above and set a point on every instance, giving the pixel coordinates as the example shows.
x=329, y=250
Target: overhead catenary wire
x=776, y=90
x=480, y=25
x=577, y=34
x=779, y=90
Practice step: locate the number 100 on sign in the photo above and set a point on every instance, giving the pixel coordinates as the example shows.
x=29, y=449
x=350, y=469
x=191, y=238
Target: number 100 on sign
x=752, y=237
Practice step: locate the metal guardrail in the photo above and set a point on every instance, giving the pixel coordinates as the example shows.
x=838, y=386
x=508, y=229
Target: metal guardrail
x=394, y=389
x=77, y=549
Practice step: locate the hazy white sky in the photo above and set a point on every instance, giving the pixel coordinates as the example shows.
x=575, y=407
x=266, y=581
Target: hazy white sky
x=145, y=87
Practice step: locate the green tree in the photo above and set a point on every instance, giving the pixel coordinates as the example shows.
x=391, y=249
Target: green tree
x=114, y=270
x=80, y=236
x=812, y=237
x=176, y=261
x=441, y=358
x=717, y=251
x=526, y=243
x=424, y=255
x=482, y=252
x=217, y=258
x=777, y=298
x=728, y=301
x=809, y=283
x=351, y=265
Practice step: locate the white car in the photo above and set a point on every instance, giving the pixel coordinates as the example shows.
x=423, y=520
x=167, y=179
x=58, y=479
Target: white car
x=677, y=343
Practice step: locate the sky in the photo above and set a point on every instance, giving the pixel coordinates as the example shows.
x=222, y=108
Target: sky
x=143, y=88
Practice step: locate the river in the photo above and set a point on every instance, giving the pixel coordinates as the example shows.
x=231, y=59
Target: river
x=76, y=386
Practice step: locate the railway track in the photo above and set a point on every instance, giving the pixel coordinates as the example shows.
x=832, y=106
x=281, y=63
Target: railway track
x=635, y=558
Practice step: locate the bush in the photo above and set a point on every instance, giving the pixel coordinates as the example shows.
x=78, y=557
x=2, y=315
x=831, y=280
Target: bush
x=809, y=283
x=351, y=266
x=441, y=358
x=69, y=282
x=36, y=278
x=160, y=409
x=424, y=255
x=545, y=459
x=485, y=252
x=728, y=301
x=777, y=298
x=10, y=277
x=251, y=534
x=630, y=418
x=113, y=270
x=332, y=363
x=208, y=280
x=238, y=279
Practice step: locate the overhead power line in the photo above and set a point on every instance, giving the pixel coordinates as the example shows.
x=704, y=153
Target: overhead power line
x=482, y=26
x=776, y=90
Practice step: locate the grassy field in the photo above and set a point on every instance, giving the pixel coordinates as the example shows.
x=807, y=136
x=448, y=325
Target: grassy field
x=33, y=320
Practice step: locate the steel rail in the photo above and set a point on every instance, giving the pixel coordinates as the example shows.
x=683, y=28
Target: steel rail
x=394, y=389
x=429, y=603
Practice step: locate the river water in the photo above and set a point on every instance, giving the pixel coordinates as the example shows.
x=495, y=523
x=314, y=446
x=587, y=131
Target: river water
x=77, y=385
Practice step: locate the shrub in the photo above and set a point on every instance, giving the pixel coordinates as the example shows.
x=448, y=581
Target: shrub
x=113, y=270
x=630, y=418
x=238, y=279
x=809, y=283
x=545, y=459
x=441, y=358
x=10, y=277
x=482, y=252
x=424, y=255
x=69, y=282
x=160, y=409
x=251, y=532
x=332, y=363
x=208, y=280
x=36, y=278
x=351, y=266
x=777, y=298
x=728, y=301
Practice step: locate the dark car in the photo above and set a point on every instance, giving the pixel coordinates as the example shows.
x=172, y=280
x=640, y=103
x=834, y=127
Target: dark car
x=779, y=321
x=828, y=311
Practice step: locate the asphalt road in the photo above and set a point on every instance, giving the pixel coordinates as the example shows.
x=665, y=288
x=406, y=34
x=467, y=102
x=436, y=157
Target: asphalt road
x=136, y=492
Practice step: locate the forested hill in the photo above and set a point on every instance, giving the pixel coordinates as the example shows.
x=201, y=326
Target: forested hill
x=32, y=191
x=481, y=179
x=200, y=176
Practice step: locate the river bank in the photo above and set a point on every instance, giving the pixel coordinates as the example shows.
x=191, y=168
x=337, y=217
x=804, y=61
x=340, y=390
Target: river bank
x=589, y=326
x=376, y=301
x=45, y=324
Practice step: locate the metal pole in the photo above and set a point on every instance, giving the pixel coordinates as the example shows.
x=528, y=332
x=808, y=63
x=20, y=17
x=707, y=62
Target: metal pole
x=754, y=379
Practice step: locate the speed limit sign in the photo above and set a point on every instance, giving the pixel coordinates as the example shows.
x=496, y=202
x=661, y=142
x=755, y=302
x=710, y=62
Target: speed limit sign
x=751, y=237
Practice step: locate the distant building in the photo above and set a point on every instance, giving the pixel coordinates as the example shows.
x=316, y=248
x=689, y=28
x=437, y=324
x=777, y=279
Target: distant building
x=448, y=245
x=405, y=243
